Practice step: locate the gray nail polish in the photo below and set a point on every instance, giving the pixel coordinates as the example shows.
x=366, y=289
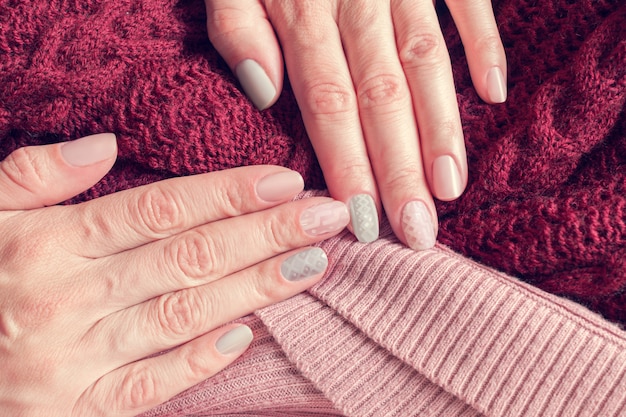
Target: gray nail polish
x=235, y=340
x=304, y=264
x=255, y=82
x=364, y=218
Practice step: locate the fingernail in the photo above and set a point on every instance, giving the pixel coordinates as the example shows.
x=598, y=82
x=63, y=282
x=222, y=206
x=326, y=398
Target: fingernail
x=89, y=150
x=234, y=340
x=364, y=218
x=255, y=82
x=496, y=86
x=418, y=226
x=304, y=264
x=324, y=218
x=280, y=186
x=446, y=179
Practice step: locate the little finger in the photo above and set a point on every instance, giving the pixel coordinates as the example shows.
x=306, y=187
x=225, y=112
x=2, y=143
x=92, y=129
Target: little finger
x=139, y=386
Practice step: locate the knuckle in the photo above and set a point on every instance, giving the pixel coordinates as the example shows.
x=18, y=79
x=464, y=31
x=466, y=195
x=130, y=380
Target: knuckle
x=421, y=49
x=351, y=167
x=158, y=212
x=267, y=288
x=26, y=168
x=329, y=98
x=488, y=44
x=382, y=90
x=445, y=129
x=197, y=364
x=195, y=255
x=226, y=21
x=138, y=389
x=231, y=199
x=179, y=314
x=276, y=231
x=405, y=178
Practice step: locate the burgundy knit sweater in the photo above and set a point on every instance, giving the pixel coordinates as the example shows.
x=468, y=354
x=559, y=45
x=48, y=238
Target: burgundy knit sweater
x=546, y=202
x=546, y=199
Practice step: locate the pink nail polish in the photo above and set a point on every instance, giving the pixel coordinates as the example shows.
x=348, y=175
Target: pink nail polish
x=280, y=186
x=89, y=150
x=496, y=86
x=417, y=226
x=446, y=179
x=325, y=218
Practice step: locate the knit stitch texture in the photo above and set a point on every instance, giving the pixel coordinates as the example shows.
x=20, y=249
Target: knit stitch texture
x=546, y=199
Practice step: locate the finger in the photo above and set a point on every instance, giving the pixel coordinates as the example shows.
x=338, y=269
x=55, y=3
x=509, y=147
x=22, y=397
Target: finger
x=426, y=63
x=242, y=34
x=323, y=88
x=139, y=386
x=210, y=252
x=174, y=318
x=388, y=121
x=483, y=47
x=38, y=176
x=131, y=218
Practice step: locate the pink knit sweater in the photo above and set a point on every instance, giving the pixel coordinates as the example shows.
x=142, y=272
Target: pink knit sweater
x=389, y=331
x=392, y=332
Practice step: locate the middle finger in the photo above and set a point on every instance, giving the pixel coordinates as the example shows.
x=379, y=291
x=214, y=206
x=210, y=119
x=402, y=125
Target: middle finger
x=388, y=120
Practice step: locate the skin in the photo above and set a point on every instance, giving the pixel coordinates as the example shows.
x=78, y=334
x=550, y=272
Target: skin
x=374, y=83
x=88, y=292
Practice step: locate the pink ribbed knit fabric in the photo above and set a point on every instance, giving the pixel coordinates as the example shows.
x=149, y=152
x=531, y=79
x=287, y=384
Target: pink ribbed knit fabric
x=392, y=332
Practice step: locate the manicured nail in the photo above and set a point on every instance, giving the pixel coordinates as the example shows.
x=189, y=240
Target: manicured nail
x=447, y=184
x=364, y=217
x=235, y=340
x=304, y=264
x=255, y=82
x=325, y=218
x=418, y=226
x=496, y=86
x=280, y=186
x=89, y=150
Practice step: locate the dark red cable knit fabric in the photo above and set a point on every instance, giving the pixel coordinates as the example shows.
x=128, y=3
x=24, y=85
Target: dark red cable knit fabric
x=546, y=200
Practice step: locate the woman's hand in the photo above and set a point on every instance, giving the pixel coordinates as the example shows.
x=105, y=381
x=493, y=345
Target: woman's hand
x=90, y=293
x=374, y=83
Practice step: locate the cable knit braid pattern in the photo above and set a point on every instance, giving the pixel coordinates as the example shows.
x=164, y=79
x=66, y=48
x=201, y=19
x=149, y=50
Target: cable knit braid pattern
x=546, y=201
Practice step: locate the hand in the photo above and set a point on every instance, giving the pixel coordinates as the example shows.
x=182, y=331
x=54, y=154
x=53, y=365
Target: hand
x=90, y=292
x=374, y=83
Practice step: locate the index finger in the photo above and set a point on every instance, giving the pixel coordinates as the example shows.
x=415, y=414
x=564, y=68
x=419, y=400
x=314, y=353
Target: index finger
x=132, y=218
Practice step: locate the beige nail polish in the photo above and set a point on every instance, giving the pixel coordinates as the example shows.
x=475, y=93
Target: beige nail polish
x=256, y=84
x=446, y=178
x=496, y=86
x=279, y=186
x=89, y=150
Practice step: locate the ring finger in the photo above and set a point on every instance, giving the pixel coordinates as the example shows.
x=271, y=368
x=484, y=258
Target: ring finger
x=426, y=63
x=171, y=319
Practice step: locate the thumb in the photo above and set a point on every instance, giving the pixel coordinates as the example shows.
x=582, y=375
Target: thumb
x=244, y=37
x=38, y=176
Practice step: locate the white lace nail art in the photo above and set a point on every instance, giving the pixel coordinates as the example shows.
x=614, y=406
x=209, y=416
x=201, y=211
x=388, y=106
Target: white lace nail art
x=418, y=226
